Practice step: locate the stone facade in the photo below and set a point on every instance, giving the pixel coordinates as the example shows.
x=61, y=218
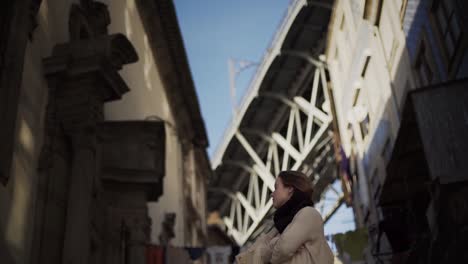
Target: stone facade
x=100, y=141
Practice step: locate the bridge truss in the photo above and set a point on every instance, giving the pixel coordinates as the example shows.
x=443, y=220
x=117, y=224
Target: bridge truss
x=285, y=123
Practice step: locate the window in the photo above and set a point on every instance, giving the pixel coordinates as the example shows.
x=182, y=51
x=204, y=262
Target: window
x=357, y=93
x=406, y=90
x=423, y=68
x=353, y=167
x=375, y=183
x=395, y=46
x=402, y=8
x=368, y=8
x=367, y=215
x=342, y=24
x=351, y=134
x=372, y=11
x=360, y=113
x=386, y=150
x=377, y=192
x=364, y=69
x=357, y=8
x=364, y=126
x=388, y=30
x=448, y=27
x=337, y=59
x=344, y=29
x=399, y=4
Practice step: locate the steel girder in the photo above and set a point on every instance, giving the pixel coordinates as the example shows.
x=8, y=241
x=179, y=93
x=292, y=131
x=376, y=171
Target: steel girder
x=285, y=152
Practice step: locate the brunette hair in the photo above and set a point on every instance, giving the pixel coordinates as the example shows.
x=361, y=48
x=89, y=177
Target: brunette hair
x=298, y=181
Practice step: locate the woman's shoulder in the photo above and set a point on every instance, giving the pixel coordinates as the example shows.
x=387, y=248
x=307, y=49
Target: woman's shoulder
x=310, y=221
x=308, y=213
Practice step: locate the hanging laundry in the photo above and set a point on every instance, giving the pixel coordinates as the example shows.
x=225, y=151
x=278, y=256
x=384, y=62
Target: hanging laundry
x=177, y=255
x=219, y=254
x=155, y=255
x=195, y=252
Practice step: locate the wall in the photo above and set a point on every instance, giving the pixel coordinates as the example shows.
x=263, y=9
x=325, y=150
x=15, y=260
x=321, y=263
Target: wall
x=18, y=197
x=371, y=74
x=148, y=99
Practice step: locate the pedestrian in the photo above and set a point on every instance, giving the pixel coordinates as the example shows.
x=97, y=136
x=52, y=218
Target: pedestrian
x=297, y=236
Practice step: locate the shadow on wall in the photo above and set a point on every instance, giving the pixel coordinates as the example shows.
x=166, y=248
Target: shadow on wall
x=19, y=193
x=417, y=28
x=7, y=253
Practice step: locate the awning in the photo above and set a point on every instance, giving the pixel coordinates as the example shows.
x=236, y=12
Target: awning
x=432, y=142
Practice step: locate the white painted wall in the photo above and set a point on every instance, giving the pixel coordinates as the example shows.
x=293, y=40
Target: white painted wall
x=147, y=98
x=383, y=88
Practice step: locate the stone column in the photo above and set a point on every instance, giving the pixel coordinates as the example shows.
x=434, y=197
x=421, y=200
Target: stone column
x=139, y=226
x=132, y=155
x=84, y=74
x=79, y=122
x=77, y=238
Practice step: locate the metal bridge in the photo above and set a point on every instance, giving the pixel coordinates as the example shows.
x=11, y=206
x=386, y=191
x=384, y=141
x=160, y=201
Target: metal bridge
x=284, y=123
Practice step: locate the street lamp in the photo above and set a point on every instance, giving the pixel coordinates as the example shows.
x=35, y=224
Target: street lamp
x=235, y=68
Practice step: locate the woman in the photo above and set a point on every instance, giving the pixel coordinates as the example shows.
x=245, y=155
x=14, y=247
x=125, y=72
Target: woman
x=298, y=236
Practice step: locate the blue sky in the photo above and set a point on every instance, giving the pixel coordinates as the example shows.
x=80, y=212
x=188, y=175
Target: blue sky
x=213, y=32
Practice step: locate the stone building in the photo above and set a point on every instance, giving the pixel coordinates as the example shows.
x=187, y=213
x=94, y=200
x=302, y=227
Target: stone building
x=103, y=147
x=399, y=72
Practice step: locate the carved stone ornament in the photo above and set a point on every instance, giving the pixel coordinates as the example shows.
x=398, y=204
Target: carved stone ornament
x=167, y=232
x=88, y=19
x=133, y=155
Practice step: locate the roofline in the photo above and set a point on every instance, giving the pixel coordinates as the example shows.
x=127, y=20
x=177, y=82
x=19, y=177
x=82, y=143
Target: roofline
x=161, y=25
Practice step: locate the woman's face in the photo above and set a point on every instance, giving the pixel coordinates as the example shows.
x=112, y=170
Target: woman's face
x=281, y=194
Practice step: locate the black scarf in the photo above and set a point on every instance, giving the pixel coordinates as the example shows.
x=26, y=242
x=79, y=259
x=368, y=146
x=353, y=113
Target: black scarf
x=285, y=214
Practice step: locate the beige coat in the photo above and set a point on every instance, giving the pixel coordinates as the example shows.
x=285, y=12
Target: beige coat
x=302, y=242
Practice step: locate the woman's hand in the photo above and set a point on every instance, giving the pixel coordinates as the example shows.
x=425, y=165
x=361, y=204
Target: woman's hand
x=301, y=248
x=273, y=241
